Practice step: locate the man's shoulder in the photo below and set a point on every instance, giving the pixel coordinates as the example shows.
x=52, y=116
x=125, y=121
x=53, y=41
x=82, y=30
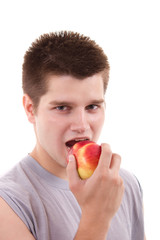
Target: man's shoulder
x=128, y=177
x=12, y=225
x=17, y=192
x=12, y=183
x=132, y=185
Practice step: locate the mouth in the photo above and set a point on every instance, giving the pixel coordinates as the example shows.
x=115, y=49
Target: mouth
x=70, y=143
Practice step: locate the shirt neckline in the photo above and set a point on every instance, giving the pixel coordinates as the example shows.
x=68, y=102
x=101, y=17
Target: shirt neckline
x=50, y=178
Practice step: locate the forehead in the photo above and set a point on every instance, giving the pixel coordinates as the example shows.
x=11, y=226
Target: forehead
x=69, y=85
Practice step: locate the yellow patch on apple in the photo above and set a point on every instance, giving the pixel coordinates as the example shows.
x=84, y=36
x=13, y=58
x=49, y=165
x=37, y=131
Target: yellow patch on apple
x=87, y=154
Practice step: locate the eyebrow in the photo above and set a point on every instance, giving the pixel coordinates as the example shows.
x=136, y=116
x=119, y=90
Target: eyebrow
x=61, y=103
x=98, y=101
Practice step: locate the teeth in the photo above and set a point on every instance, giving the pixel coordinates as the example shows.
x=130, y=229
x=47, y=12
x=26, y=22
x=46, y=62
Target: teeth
x=82, y=139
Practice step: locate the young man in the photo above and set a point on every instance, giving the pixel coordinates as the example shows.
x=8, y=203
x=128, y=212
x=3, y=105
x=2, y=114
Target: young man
x=65, y=76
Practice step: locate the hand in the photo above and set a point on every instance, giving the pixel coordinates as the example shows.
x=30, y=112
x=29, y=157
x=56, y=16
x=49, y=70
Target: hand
x=100, y=195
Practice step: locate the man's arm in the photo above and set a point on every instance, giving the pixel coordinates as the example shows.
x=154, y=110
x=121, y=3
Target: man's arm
x=12, y=227
x=99, y=196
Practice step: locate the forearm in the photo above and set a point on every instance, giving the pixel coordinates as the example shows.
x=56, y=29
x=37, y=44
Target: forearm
x=92, y=229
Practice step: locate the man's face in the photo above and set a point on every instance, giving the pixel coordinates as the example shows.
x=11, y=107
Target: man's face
x=71, y=110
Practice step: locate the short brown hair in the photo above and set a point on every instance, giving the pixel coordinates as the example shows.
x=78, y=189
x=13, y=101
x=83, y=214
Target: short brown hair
x=61, y=53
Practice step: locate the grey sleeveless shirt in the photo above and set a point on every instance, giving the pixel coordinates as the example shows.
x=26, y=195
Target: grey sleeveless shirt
x=50, y=211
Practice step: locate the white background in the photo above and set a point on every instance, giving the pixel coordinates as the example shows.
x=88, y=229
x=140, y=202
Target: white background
x=129, y=32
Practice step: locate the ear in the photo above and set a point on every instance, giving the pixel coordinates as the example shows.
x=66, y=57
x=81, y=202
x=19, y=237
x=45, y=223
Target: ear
x=28, y=107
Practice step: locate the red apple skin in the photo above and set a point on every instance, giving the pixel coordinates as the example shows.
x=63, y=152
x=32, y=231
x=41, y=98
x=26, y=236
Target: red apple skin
x=87, y=155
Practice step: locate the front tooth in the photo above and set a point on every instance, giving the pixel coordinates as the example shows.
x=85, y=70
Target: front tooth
x=77, y=140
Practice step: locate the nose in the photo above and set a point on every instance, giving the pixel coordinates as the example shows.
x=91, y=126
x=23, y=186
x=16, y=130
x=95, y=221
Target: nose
x=79, y=122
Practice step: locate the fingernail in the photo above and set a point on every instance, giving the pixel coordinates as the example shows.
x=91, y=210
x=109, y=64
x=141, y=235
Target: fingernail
x=71, y=158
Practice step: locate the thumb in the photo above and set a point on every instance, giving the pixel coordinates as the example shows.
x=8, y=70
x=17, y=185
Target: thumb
x=72, y=173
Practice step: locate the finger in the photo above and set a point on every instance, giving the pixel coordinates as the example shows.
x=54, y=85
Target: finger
x=115, y=162
x=105, y=157
x=72, y=173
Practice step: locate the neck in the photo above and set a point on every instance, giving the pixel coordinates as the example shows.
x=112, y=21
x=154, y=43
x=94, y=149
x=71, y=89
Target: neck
x=48, y=163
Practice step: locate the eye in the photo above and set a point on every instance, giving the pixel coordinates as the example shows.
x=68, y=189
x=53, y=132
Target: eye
x=62, y=108
x=92, y=107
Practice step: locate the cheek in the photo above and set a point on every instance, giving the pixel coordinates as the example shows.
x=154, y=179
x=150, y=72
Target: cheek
x=97, y=123
x=50, y=128
x=99, y=118
x=43, y=127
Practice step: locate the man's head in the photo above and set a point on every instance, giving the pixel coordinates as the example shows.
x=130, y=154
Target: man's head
x=65, y=76
x=62, y=53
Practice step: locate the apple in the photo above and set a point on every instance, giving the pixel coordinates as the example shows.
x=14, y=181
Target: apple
x=87, y=155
